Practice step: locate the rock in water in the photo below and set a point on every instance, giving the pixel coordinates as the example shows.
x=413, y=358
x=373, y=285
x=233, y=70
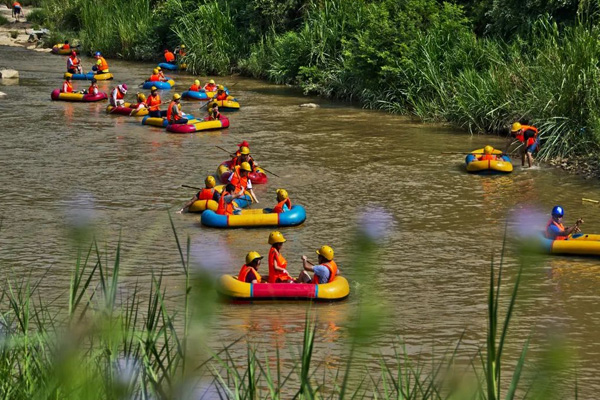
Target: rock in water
x=9, y=74
x=309, y=105
x=2, y=94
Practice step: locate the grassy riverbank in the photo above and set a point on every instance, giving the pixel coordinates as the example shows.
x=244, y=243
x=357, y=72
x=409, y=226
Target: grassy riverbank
x=419, y=57
x=107, y=340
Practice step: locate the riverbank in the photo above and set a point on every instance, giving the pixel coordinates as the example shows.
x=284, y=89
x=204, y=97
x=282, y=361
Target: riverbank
x=18, y=33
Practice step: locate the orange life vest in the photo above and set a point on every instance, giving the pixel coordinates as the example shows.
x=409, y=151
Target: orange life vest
x=153, y=102
x=224, y=208
x=93, y=89
x=72, y=62
x=240, y=182
x=279, y=207
x=551, y=236
x=277, y=276
x=521, y=136
x=194, y=88
x=206, y=194
x=169, y=57
x=209, y=87
x=66, y=46
x=245, y=270
x=103, y=64
x=486, y=157
x=16, y=4
x=332, y=267
x=222, y=96
x=67, y=87
x=170, y=112
x=120, y=96
x=154, y=78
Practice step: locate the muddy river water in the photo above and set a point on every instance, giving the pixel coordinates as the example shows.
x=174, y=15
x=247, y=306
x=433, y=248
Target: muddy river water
x=64, y=162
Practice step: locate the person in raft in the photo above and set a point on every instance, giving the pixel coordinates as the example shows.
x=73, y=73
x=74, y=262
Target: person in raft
x=324, y=272
x=213, y=112
x=156, y=77
x=226, y=205
x=153, y=103
x=101, y=66
x=174, y=113
x=93, y=89
x=528, y=135
x=67, y=86
x=66, y=45
x=140, y=105
x=555, y=230
x=277, y=263
x=195, y=87
x=16, y=11
x=249, y=271
x=117, y=95
x=221, y=94
x=74, y=64
x=241, y=181
x=488, y=154
x=210, y=86
x=169, y=56
x=244, y=156
x=283, y=202
x=208, y=193
x=240, y=145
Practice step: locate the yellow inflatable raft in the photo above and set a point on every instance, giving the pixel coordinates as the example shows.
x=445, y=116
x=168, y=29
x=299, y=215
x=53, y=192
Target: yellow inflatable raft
x=502, y=165
x=230, y=287
x=202, y=205
x=578, y=244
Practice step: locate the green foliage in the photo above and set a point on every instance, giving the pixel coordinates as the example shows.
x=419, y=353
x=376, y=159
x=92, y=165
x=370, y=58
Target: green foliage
x=3, y=20
x=37, y=16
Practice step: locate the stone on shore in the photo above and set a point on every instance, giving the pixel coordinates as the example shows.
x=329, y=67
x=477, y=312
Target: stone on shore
x=309, y=105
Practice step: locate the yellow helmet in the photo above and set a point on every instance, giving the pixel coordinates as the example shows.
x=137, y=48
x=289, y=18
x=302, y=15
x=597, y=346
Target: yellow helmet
x=141, y=97
x=159, y=68
x=182, y=46
x=155, y=71
x=326, y=252
x=196, y=82
x=153, y=88
x=488, y=149
x=209, y=181
x=220, y=87
x=244, y=150
x=282, y=194
x=251, y=256
x=212, y=81
x=210, y=110
x=246, y=166
x=516, y=127
x=276, y=237
x=176, y=96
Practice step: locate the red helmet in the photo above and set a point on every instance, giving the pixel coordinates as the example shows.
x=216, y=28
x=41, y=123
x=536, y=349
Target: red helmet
x=73, y=53
x=244, y=144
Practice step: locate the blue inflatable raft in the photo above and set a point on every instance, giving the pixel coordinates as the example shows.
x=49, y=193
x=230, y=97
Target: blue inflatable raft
x=201, y=95
x=169, y=66
x=159, y=84
x=255, y=218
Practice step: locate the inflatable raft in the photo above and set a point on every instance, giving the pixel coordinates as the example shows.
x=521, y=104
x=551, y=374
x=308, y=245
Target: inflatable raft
x=254, y=218
x=193, y=95
x=57, y=95
x=202, y=205
x=56, y=49
x=227, y=105
x=578, y=244
x=89, y=76
x=257, y=176
x=499, y=166
x=159, y=84
x=199, y=125
x=126, y=110
x=230, y=287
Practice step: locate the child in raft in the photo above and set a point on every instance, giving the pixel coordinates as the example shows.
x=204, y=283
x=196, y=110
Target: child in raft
x=249, y=271
x=277, y=263
x=93, y=89
x=140, y=105
x=208, y=193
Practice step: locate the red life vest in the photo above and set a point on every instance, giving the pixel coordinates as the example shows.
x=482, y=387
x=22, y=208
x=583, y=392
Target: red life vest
x=222, y=96
x=93, y=89
x=210, y=87
x=240, y=182
x=206, y=194
x=245, y=270
x=486, y=157
x=65, y=46
x=153, y=102
x=154, y=78
x=549, y=235
x=169, y=57
x=67, y=87
x=194, y=88
x=120, y=96
x=277, y=276
x=224, y=208
x=170, y=112
x=521, y=136
x=332, y=267
x=279, y=207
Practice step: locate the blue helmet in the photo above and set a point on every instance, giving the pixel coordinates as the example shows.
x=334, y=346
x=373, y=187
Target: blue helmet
x=558, y=211
x=98, y=54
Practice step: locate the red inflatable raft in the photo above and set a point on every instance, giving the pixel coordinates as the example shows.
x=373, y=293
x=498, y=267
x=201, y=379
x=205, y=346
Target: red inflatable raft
x=199, y=125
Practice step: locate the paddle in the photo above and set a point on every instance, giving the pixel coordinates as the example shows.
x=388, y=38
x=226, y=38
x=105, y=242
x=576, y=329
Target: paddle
x=263, y=168
x=191, y=187
x=467, y=153
x=590, y=200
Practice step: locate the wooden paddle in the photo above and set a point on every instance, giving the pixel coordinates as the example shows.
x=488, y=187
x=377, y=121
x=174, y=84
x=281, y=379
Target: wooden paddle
x=191, y=187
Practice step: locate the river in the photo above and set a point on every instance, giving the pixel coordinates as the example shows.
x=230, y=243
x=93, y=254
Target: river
x=338, y=160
